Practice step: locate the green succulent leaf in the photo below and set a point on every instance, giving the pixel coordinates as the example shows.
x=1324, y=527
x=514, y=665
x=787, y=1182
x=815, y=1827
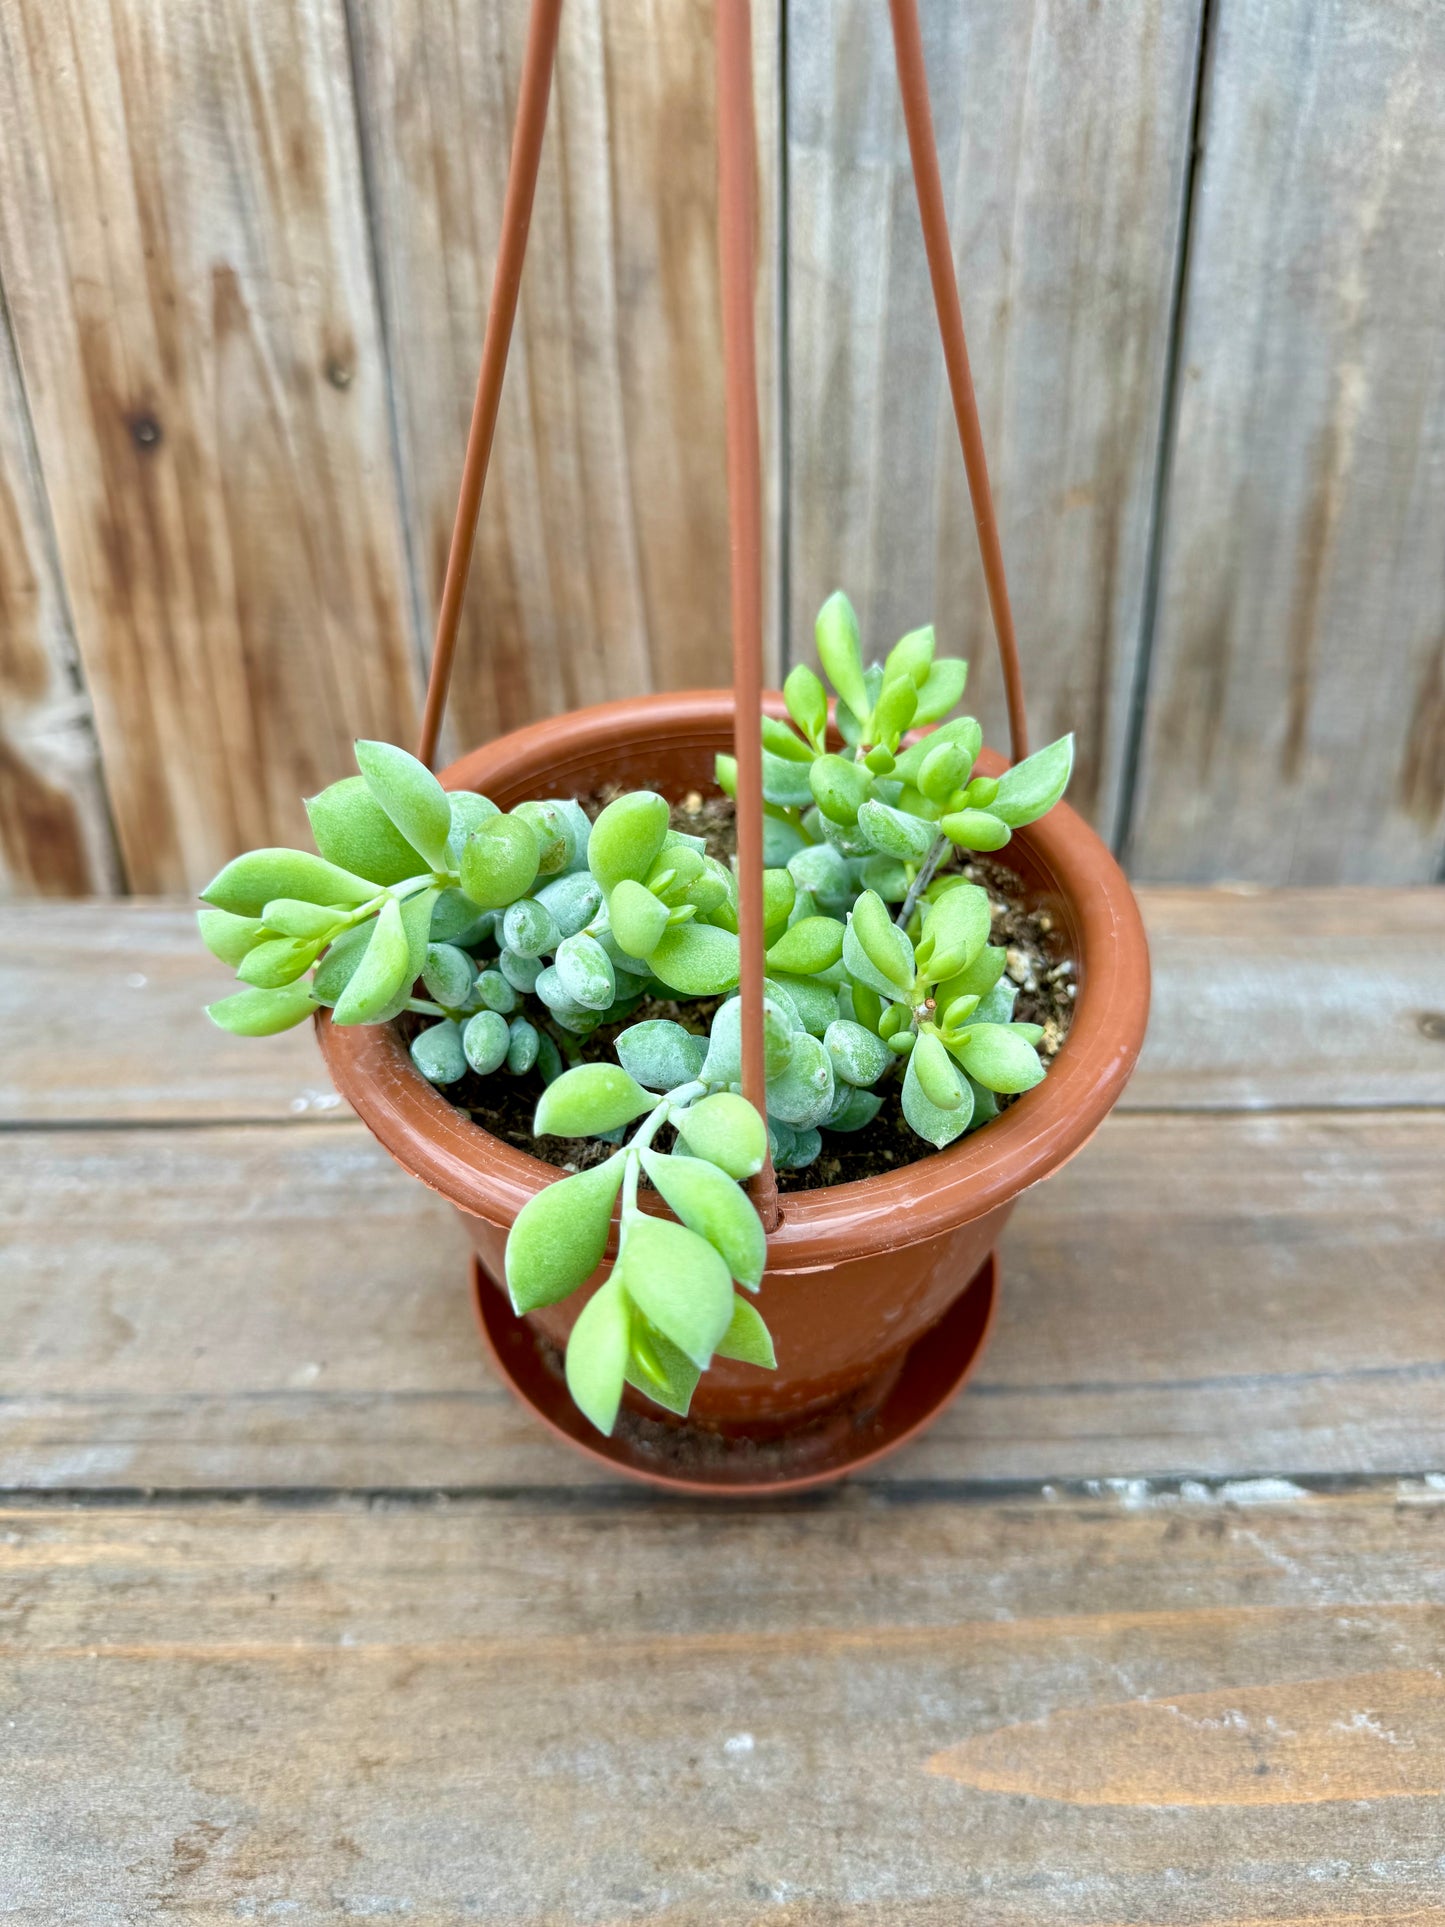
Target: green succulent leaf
x=383, y=972
x=1033, y=786
x=840, y=787
x=786, y=782
x=560, y=1235
x=955, y=931
x=942, y=770
x=469, y=811
x=448, y=974
x=727, y=1131
x=940, y=689
x=552, y=825
x=410, y=795
x=588, y=1100
x=975, y=830
x=815, y=999
x=911, y=656
x=803, y=1094
x=229, y=937
x=934, y=1124
x=262, y=1013
x=438, y=1054
x=353, y=831
x=586, y=971
x=710, y=1203
x=810, y=945
x=660, y=1054
x=807, y=702
x=895, y=833
x=626, y=838
x=894, y=710
x=277, y=961
x=882, y=943
x=571, y=901
x=658, y=1369
x=248, y=883
x=486, y=1040
x=858, y=1057
x=819, y=868
x=336, y=968
x=782, y=741
x=836, y=634
x=523, y=1047
x=638, y=918
x=597, y=1354
x=529, y=929
x=937, y=1074
x=852, y=1109
x=963, y=730
x=499, y=862
x=747, y=1338
x=696, y=958
x=999, y=1058
x=679, y=1283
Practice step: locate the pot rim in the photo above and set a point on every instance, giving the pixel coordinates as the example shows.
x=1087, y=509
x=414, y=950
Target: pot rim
x=492, y=1180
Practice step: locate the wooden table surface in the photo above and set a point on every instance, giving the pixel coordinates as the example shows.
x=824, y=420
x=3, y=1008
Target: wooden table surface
x=302, y=1618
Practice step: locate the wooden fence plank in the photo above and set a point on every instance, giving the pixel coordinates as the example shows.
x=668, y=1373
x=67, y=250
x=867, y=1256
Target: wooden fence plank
x=1063, y=136
x=184, y=250
x=1296, y=720
x=1262, y=1000
x=260, y=1307
x=850, y=1715
x=601, y=566
x=55, y=832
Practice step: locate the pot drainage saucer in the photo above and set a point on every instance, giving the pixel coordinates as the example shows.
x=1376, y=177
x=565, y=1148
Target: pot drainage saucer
x=684, y=1458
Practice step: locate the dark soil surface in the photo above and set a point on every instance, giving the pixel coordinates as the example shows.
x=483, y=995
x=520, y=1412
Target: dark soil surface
x=1037, y=963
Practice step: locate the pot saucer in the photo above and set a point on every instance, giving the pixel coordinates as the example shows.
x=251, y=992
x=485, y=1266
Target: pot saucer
x=647, y=1448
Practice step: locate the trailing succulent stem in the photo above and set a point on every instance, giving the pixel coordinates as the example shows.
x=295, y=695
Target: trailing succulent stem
x=527, y=930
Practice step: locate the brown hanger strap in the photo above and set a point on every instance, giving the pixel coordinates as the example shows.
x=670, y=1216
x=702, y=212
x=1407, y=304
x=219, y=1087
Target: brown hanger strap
x=735, y=145
x=537, y=63
x=928, y=184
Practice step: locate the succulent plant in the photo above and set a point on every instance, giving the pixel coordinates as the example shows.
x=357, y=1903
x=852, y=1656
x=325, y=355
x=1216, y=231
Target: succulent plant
x=530, y=929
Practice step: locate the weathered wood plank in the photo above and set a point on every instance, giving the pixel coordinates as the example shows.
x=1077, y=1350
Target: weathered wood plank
x=185, y=257
x=263, y=1307
x=1296, y=719
x=601, y=564
x=1063, y=136
x=850, y=1713
x=55, y=832
x=1262, y=1000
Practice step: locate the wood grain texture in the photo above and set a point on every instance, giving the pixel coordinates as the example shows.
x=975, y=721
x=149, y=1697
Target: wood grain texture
x=1295, y=729
x=601, y=564
x=1196, y=1296
x=223, y=1710
x=1346, y=989
x=1063, y=133
x=184, y=251
x=55, y=832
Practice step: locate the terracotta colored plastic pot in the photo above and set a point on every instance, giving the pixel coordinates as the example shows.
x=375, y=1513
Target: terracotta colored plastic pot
x=857, y=1273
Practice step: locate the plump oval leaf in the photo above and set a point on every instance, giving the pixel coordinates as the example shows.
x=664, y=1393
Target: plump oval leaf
x=597, y=1354
x=820, y=869
x=277, y=961
x=999, y=1058
x=572, y=901
x=290, y=917
x=229, y=937
x=727, y=1131
x=469, y=811
x=975, y=830
x=560, y=1235
x=808, y=946
x=940, y=689
x=382, y=973
x=781, y=741
x=836, y=634
x=528, y=928
x=586, y=971
x=852, y=1109
x=660, y=1054
x=840, y=787
x=955, y=931
x=679, y=1283
x=1033, y=786
x=448, y=974
x=785, y=782
x=807, y=702
x=893, y=711
x=486, y=1040
x=911, y=656
x=709, y=1202
x=696, y=958
x=353, y=830
x=438, y=1054
x=933, y=1124
x=520, y=972
x=499, y=862
x=410, y=795
x=942, y=770
x=262, y=1013
x=588, y=1100
x=803, y=1094
x=626, y=838
x=858, y=1056
x=637, y=917
x=248, y=883
x=659, y=1369
x=556, y=835
x=886, y=946
x=523, y=1046
x=939, y=1076
x=894, y=832
x=747, y=1338
x=963, y=729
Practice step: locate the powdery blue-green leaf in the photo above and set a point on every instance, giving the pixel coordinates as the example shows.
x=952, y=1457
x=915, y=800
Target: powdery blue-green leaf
x=626, y=838
x=448, y=974
x=781, y=841
x=556, y=838
x=637, y=917
x=520, y=972
x=939, y=1077
x=955, y=931
x=469, y=810
x=528, y=928
x=803, y=1094
x=660, y=1054
x=933, y=1124
x=659, y=1369
x=410, y=795
x=549, y=1058
x=560, y=1235
x=456, y=919
x=836, y=634
x=352, y=830
x=229, y=937
x=820, y=869
x=723, y=1062
x=586, y=971
x=852, y=1109
x=747, y=1338
x=805, y=947
x=382, y=973
x=597, y=1354
x=248, y=883
x=262, y=1013
x=523, y=1045
x=975, y=830
x=572, y=901
x=709, y=1202
x=679, y=1283
x=858, y=1056
x=806, y=1146
x=437, y=1052
x=884, y=945
x=895, y=833
x=999, y=1058
x=807, y=702
x=588, y=1100
x=840, y=787
x=940, y=689
x=486, y=1039
x=499, y=862
x=1033, y=786
x=727, y=1131
x=581, y=833
x=785, y=783
x=885, y=876
x=696, y=958
x=277, y=961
